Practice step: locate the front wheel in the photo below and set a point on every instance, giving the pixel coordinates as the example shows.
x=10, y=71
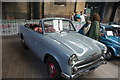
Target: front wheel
x=109, y=55
x=53, y=68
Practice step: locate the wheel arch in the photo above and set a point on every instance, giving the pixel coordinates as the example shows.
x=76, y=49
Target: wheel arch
x=21, y=35
x=113, y=49
x=49, y=55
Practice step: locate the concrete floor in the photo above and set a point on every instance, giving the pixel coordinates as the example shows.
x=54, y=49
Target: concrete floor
x=20, y=63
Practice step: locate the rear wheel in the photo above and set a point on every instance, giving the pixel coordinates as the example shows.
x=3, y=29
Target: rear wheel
x=53, y=68
x=23, y=43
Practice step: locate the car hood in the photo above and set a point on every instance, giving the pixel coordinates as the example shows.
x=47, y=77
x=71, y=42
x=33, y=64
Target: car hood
x=77, y=43
x=114, y=39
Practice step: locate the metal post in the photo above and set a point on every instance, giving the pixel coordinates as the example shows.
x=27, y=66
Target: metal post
x=43, y=9
x=75, y=5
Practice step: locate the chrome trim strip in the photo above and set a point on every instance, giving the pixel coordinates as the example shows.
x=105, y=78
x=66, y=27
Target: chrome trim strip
x=78, y=62
x=113, y=41
x=88, y=64
x=118, y=55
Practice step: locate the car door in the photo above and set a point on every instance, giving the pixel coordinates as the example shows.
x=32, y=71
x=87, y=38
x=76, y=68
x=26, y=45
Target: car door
x=26, y=35
x=36, y=42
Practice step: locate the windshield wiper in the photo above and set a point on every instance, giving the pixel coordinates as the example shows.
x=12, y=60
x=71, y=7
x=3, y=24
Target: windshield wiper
x=64, y=30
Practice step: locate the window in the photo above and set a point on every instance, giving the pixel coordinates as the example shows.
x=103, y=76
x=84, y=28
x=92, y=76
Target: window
x=62, y=3
x=111, y=31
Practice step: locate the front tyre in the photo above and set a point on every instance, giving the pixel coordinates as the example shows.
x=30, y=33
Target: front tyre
x=109, y=55
x=53, y=68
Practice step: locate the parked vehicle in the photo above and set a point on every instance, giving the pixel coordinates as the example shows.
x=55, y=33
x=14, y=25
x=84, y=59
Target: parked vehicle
x=66, y=52
x=110, y=36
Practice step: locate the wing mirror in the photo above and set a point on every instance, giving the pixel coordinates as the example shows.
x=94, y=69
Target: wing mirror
x=102, y=34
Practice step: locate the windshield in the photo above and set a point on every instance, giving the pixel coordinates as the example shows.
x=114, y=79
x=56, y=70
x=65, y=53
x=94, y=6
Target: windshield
x=57, y=25
x=112, y=31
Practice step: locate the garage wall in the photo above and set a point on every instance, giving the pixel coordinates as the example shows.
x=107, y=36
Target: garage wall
x=15, y=10
x=52, y=10
x=80, y=6
x=107, y=12
x=117, y=15
x=32, y=10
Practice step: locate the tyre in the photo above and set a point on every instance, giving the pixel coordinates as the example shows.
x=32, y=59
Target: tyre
x=53, y=68
x=23, y=43
x=109, y=55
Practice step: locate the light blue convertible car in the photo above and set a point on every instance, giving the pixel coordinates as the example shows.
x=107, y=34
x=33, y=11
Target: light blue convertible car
x=66, y=52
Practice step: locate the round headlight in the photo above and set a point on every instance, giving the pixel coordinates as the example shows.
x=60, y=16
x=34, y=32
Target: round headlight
x=105, y=50
x=73, y=58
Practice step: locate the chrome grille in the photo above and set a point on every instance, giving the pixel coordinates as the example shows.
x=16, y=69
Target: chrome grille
x=88, y=60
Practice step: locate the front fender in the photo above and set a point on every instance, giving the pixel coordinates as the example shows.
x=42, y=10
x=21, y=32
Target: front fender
x=62, y=60
x=112, y=48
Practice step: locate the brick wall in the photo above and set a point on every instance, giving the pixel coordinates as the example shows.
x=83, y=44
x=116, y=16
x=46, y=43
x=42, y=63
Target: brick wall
x=80, y=6
x=52, y=10
x=22, y=10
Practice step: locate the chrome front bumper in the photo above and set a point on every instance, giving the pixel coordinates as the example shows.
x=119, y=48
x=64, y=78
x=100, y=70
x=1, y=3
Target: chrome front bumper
x=118, y=55
x=82, y=72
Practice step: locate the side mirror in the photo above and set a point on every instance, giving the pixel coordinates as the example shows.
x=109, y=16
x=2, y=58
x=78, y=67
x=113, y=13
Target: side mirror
x=26, y=25
x=102, y=34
